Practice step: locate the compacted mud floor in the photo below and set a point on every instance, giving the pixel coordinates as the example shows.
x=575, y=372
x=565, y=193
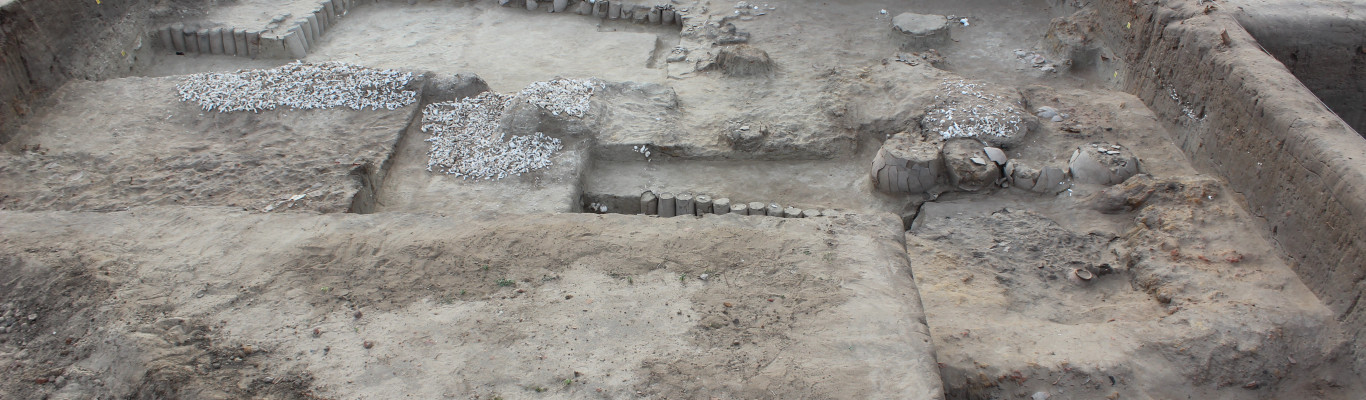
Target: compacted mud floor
x=150, y=248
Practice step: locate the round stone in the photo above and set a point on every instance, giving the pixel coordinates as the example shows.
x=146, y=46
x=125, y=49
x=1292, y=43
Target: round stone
x=757, y=208
x=921, y=30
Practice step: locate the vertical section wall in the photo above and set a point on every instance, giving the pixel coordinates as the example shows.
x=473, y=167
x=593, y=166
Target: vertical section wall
x=43, y=43
x=1236, y=110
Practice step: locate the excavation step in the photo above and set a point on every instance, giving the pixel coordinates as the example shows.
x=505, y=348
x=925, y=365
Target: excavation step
x=154, y=149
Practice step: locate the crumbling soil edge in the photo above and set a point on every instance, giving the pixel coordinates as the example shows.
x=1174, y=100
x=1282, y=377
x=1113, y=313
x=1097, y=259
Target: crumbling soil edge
x=1298, y=165
x=42, y=46
x=372, y=177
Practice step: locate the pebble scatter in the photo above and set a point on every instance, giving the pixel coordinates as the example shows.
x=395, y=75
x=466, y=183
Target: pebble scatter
x=1036, y=60
x=467, y=142
x=300, y=85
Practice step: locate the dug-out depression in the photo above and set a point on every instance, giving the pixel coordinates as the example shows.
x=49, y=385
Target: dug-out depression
x=506, y=199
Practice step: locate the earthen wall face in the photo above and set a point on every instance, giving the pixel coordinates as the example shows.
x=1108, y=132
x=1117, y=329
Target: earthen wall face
x=1236, y=110
x=43, y=43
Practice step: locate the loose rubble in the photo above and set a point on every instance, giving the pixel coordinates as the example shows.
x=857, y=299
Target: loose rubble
x=1050, y=113
x=915, y=58
x=968, y=165
x=467, y=142
x=300, y=85
x=743, y=60
x=1035, y=177
x=746, y=11
x=1036, y=60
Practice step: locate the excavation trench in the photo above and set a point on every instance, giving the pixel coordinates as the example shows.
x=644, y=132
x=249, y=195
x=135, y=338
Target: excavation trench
x=372, y=176
x=1320, y=43
x=815, y=186
x=1226, y=266
x=694, y=205
x=1278, y=146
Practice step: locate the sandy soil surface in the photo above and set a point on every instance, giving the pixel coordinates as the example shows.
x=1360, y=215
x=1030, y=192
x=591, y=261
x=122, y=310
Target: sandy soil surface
x=1094, y=116
x=496, y=43
x=1183, y=292
x=131, y=142
x=261, y=14
x=499, y=289
x=570, y=305
x=173, y=65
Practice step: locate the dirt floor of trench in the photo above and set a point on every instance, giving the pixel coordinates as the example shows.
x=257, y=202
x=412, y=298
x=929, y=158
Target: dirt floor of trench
x=153, y=249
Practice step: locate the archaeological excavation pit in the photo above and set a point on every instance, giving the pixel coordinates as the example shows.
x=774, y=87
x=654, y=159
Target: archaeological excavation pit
x=508, y=199
x=1320, y=44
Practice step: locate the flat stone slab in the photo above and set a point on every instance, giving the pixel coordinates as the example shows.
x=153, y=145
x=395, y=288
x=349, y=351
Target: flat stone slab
x=130, y=142
x=581, y=305
x=921, y=30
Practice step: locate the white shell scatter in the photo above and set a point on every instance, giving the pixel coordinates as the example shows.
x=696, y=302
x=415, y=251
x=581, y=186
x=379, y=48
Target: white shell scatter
x=466, y=140
x=953, y=119
x=299, y=85
x=645, y=149
x=560, y=96
x=1186, y=107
